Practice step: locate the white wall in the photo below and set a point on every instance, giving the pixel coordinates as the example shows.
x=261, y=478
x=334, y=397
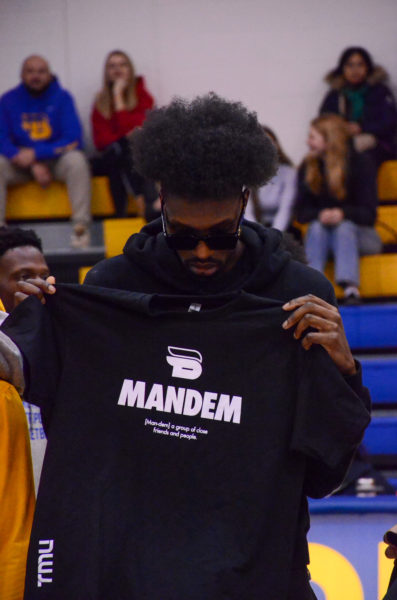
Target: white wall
x=271, y=55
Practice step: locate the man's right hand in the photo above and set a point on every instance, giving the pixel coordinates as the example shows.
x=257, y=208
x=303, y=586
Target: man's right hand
x=25, y=158
x=35, y=287
x=41, y=173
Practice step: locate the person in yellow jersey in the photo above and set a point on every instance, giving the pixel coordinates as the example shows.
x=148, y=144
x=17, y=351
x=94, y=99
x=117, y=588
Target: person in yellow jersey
x=17, y=497
x=21, y=258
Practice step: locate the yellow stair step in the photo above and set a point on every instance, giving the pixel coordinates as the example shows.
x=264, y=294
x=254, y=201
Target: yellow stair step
x=378, y=276
x=387, y=181
x=83, y=272
x=30, y=201
x=386, y=224
x=117, y=231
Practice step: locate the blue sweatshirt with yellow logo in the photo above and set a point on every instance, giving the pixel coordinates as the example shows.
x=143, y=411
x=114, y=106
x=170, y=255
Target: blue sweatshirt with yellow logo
x=48, y=122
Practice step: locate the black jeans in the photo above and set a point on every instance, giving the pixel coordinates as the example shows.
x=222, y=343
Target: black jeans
x=117, y=164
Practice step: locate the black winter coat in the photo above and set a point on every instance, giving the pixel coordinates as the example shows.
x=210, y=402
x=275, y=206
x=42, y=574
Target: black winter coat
x=380, y=112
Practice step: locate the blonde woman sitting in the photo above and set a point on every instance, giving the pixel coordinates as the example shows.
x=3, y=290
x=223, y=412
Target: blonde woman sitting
x=337, y=197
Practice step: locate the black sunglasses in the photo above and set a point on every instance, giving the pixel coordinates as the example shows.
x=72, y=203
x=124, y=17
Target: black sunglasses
x=216, y=241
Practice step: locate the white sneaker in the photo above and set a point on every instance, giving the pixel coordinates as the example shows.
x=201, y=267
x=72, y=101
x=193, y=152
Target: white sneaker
x=80, y=237
x=351, y=295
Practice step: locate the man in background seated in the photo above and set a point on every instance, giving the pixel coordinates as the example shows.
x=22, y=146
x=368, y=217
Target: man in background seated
x=41, y=139
x=21, y=258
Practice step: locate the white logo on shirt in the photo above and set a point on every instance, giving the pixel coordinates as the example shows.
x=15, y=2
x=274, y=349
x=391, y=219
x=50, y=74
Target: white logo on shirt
x=45, y=562
x=186, y=363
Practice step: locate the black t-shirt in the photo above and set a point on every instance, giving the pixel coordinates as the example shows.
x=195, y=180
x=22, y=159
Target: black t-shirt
x=178, y=444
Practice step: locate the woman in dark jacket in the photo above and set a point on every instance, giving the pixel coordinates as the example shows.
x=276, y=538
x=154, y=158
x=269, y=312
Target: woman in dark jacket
x=359, y=93
x=337, y=197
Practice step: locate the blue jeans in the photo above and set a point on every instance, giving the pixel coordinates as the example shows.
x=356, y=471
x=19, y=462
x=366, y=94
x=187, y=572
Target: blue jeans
x=344, y=242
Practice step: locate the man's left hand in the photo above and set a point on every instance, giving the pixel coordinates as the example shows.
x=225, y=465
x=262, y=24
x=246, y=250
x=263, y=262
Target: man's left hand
x=311, y=311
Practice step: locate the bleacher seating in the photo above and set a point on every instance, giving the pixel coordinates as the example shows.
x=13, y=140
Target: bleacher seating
x=378, y=276
x=371, y=326
x=115, y=234
x=31, y=202
x=387, y=182
x=371, y=329
x=380, y=438
x=117, y=231
x=380, y=376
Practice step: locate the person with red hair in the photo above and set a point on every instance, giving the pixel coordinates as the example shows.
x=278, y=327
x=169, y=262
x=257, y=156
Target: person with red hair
x=337, y=197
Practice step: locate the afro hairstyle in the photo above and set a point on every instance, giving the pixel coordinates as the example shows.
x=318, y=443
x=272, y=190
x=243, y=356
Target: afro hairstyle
x=14, y=237
x=207, y=148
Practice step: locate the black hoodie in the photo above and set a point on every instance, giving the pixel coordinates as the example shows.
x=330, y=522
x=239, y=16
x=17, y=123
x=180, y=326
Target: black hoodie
x=265, y=269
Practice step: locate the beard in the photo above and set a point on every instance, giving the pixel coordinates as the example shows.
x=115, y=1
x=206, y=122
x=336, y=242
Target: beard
x=34, y=91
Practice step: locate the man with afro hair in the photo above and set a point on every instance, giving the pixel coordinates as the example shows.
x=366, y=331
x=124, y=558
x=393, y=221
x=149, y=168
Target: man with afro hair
x=206, y=155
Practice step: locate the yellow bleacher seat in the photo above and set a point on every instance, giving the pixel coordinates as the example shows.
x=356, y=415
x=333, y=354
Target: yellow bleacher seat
x=117, y=231
x=386, y=224
x=83, y=272
x=30, y=201
x=378, y=276
x=387, y=181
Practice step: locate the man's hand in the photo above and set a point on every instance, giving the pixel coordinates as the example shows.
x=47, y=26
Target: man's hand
x=41, y=174
x=35, y=287
x=311, y=311
x=331, y=216
x=25, y=158
x=390, y=538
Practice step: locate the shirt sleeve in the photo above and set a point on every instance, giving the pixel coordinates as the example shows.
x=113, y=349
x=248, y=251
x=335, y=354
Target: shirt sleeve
x=7, y=147
x=30, y=326
x=330, y=420
x=380, y=115
x=284, y=213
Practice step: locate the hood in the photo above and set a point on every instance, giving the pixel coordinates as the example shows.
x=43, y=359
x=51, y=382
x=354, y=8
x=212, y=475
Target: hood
x=336, y=82
x=49, y=91
x=140, y=83
x=263, y=259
